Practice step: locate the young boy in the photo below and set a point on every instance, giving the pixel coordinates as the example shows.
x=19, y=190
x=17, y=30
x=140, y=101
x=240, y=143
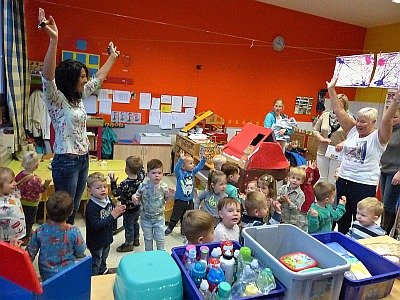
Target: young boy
x=198, y=227
x=184, y=171
x=229, y=212
x=100, y=215
x=368, y=212
x=231, y=171
x=292, y=197
x=152, y=195
x=218, y=161
x=322, y=214
x=57, y=242
x=125, y=191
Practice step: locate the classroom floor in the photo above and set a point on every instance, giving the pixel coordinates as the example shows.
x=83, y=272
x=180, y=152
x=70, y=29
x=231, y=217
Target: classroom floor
x=172, y=240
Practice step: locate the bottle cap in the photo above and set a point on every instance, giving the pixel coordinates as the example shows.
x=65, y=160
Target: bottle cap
x=227, y=254
x=246, y=253
x=204, y=285
x=254, y=263
x=224, y=289
x=199, y=270
x=188, y=247
x=192, y=253
x=204, y=248
x=216, y=275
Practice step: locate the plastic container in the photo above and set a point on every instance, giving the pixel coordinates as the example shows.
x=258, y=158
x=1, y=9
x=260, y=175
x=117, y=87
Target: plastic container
x=191, y=292
x=383, y=271
x=269, y=243
x=158, y=277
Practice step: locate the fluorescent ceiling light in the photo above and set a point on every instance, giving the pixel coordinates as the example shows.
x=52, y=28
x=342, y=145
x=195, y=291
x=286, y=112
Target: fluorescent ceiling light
x=396, y=1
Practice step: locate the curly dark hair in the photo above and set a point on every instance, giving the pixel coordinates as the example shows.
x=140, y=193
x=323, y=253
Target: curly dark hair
x=68, y=73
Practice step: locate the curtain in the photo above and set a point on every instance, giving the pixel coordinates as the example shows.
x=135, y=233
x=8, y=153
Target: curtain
x=16, y=67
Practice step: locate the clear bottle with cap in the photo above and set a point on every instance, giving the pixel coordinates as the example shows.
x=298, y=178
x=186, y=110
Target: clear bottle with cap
x=244, y=259
x=266, y=281
x=224, y=291
x=204, y=251
x=198, y=273
x=204, y=290
x=191, y=260
x=228, y=265
x=186, y=254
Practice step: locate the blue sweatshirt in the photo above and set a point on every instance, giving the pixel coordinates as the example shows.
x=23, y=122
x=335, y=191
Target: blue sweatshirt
x=185, y=180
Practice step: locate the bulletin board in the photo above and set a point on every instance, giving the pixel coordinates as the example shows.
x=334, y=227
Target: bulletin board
x=92, y=61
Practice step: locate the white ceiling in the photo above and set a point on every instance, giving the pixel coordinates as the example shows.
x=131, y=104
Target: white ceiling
x=364, y=13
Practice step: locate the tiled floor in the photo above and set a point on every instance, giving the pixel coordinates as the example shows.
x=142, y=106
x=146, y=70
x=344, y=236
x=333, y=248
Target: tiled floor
x=172, y=240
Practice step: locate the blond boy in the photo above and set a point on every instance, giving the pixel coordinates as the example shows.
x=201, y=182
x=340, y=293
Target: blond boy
x=321, y=214
x=368, y=212
x=218, y=161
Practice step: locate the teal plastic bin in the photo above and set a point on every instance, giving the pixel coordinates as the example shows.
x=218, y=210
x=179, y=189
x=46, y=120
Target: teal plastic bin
x=148, y=276
x=269, y=243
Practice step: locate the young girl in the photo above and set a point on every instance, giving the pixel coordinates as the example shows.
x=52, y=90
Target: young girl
x=57, y=242
x=229, y=212
x=208, y=199
x=267, y=185
x=12, y=220
x=251, y=186
x=31, y=189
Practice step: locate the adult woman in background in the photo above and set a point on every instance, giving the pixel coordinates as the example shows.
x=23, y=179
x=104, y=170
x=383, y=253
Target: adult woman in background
x=64, y=101
x=390, y=176
x=362, y=151
x=328, y=131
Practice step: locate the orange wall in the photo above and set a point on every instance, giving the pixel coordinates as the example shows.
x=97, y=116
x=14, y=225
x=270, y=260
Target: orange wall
x=237, y=81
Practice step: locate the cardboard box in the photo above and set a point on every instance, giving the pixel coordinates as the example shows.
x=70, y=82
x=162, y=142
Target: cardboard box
x=153, y=138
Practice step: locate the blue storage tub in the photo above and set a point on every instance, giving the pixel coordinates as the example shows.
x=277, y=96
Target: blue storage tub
x=190, y=291
x=383, y=271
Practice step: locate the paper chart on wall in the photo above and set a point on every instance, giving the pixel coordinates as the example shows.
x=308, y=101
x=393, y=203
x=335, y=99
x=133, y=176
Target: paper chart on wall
x=177, y=103
x=103, y=94
x=154, y=117
x=189, y=101
x=155, y=103
x=179, y=119
x=90, y=104
x=354, y=71
x=166, y=99
x=122, y=97
x=105, y=106
x=166, y=121
x=144, y=101
x=387, y=72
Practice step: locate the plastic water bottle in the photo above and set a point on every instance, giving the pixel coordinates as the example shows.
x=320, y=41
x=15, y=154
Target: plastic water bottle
x=266, y=281
x=244, y=259
x=186, y=254
x=214, y=277
x=228, y=265
x=224, y=291
x=204, y=250
x=191, y=260
x=204, y=290
x=198, y=273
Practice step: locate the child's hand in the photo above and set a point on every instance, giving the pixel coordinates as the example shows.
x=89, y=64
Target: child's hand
x=136, y=199
x=206, y=154
x=313, y=213
x=47, y=182
x=343, y=200
x=182, y=154
x=118, y=210
x=277, y=206
x=312, y=164
x=284, y=198
x=112, y=177
x=171, y=192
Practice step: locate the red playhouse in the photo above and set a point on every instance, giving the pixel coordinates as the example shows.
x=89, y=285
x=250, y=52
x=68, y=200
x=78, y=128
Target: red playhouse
x=257, y=153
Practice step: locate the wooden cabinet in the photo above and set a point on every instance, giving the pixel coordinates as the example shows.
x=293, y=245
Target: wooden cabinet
x=95, y=142
x=146, y=152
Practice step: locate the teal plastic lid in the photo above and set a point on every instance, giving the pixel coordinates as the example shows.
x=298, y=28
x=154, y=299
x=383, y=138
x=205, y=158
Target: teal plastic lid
x=224, y=289
x=199, y=270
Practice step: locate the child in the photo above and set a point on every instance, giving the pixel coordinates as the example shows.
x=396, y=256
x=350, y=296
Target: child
x=229, y=212
x=292, y=197
x=322, y=214
x=184, y=172
x=231, y=171
x=266, y=184
x=125, y=191
x=12, y=219
x=198, y=227
x=312, y=176
x=152, y=195
x=57, y=242
x=294, y=147
x=368, y=212
x=218, y=161
x=251, y=186
x=31, y=189
x=100, y=215
x=214, y=193
x=257, y=208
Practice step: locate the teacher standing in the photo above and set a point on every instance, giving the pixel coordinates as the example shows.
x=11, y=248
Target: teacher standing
x=362, y=151
x=64, y=88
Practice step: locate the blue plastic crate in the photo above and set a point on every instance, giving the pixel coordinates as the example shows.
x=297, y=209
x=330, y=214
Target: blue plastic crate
x=383, y=271
x=190, y=291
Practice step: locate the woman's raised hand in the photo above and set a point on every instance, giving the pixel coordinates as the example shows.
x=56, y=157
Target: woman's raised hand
x=332, y=83
x=113, y=49
x=49, y=25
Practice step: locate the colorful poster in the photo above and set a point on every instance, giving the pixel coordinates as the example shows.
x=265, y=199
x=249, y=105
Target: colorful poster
x=354, y=71
x=387, y=72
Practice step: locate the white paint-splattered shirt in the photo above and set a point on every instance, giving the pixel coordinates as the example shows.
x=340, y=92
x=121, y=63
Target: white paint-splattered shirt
x=69, y=120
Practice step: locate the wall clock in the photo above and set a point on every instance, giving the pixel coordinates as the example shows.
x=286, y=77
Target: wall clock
x=278, y=43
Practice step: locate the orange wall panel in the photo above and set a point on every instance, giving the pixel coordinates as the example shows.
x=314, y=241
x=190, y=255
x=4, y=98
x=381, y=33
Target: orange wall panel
x=165, y=40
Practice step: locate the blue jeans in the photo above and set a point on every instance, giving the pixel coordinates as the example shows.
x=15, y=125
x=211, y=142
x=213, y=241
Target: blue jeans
x=390, y=193
x=70, y=174
x=153, y=229
x=99, y=260
x=131, y=225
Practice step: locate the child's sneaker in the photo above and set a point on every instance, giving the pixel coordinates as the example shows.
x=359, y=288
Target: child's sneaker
x=168, y=230
x=125, y=248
